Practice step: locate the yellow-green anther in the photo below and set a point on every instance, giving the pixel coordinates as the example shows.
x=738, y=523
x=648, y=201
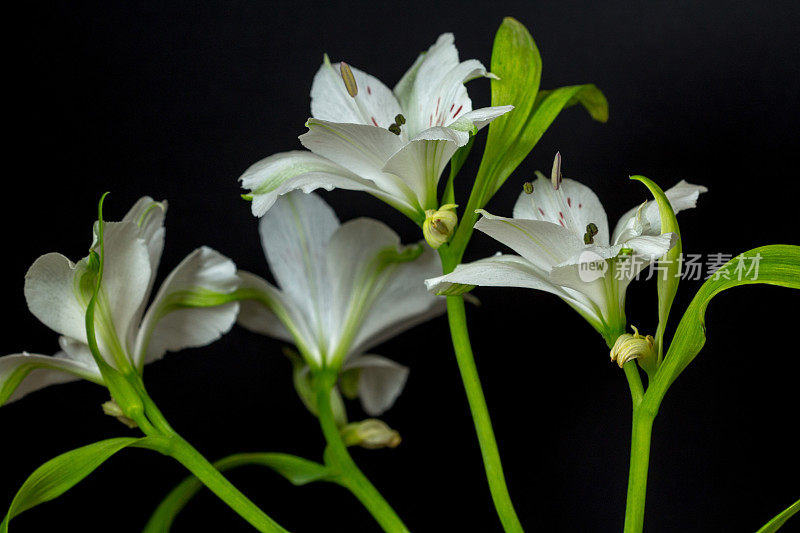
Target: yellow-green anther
x=555, y=174
x=527, y=187
x=394, y=128
x=400, y=119
x=349, y=79
x=439, y=225
x=624, y=252
x=640, y=347
x=371, y=433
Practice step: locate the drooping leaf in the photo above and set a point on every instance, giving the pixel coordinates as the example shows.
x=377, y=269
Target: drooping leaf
x=670, y=274
x=297, y=470
x=775, y=524
x=61, y=473
x=777, y=264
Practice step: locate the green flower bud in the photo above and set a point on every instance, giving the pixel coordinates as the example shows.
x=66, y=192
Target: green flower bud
x=439, y=225
x=112, y=409
x=371, y=434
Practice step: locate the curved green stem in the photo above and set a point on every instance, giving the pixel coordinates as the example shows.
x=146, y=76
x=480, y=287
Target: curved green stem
x=183, y=452
x=637, y=477
x=338, y=458
x=198, y=465
x=456, y=315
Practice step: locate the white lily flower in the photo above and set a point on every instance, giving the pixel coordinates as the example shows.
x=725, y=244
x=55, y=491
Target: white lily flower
x=190, y=309
x=342, y=290
x=560, y=232
x=392, y=144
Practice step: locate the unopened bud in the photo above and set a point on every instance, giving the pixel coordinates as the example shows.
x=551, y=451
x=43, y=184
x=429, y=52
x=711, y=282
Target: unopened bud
x=371, y=434
x=439, y=225
x=112, y=409
x=629, y=347
x=349, y=79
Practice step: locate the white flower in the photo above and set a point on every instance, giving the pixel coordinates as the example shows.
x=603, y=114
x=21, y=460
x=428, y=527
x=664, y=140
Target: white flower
x=565, y=248
x=350, y=140
x=190, y=309
x=343, y=289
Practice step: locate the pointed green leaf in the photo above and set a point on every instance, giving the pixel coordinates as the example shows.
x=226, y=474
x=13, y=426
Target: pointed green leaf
x=777, y=264
x=61, y=473
x=297, y=470
x=670, y=276
x=517, y=64
x=775, y=524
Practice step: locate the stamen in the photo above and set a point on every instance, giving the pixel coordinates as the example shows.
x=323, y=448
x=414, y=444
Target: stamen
x=349, y=79
x=591, y=231
x=555, y=174
x=527, y=187
x=400, y=119
x=394, y=128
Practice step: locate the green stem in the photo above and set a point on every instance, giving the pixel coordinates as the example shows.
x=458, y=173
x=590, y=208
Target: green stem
x=480, y=414
x=338, y=458
x=637, y=477
x=185, y=454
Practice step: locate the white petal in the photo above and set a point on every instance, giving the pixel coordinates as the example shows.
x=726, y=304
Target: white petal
x=281, y=173
x=681, y=196
x=148, y=215
x=432, y=92
x=573, y=206
x=295, y=235
x=53, y=297
x=511, y=271
x=479, y=118
x=403, y=303
x=380, y=382
x=171, y=323
x=420, y=163
x=127, y=278
x=257, y=317
x=362, y=150
x=352, y=271
x=41, y=371
x=272, y=313
x=542, y=243
x=374, y=105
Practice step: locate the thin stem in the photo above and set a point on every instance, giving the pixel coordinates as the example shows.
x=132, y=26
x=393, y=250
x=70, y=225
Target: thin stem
x=634, y=382
x=339, y=458
x=184, y=453
x=637, y=477
x=480, y=415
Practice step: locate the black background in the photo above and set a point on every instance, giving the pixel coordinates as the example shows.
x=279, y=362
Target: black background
x=176, y=100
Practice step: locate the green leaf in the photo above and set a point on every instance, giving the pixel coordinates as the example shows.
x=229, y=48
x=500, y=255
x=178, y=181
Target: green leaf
x=777, y=264
x=61, y=473
x=670, y=276
x=543, y=113
x=776, y=523
x=297, y=470
x=518, y=65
